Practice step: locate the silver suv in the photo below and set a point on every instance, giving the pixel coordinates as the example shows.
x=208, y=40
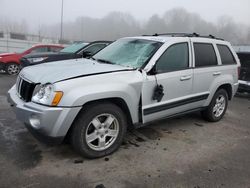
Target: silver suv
x=133, y=81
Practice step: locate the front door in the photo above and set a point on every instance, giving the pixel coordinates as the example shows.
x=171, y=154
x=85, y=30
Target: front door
x=173, y=76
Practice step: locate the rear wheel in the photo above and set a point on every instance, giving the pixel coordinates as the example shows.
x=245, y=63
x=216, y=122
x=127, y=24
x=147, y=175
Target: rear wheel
x=12, y=69
x=99, y=130
x=217, y=108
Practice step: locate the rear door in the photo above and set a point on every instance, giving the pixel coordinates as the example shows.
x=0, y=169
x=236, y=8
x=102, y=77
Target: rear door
x=206, y=69
x=173, y=77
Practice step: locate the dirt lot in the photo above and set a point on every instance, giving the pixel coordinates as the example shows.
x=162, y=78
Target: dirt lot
x=180, y=152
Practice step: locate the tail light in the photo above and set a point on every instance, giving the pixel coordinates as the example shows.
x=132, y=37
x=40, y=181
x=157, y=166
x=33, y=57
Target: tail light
x=239, y=72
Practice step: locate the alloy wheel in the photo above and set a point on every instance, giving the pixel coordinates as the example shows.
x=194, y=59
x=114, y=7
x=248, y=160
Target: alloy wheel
x=102, y=132
x=13, y=69
x=219, y=106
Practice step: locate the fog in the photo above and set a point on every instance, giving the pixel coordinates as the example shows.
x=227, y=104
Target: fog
x=112, y=19
x=118, y=24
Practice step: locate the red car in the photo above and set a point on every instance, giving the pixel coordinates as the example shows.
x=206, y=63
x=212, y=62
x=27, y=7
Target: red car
x=9, y=62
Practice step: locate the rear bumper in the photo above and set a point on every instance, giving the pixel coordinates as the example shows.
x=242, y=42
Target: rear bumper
x=244, y=86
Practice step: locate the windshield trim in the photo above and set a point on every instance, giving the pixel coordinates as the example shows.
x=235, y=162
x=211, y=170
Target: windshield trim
x=153, y=53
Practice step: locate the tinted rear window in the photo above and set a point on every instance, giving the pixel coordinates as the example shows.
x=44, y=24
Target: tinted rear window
x=204, y=55
x=226, y=55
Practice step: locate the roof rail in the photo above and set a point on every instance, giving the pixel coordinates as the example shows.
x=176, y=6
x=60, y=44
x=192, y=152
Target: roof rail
x=184, y=35
x=175, y=34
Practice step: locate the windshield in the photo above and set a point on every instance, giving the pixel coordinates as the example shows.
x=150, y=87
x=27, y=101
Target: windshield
x=74, y=48
x=128, y=52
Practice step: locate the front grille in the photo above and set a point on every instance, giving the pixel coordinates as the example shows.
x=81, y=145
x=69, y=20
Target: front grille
x=24, y=89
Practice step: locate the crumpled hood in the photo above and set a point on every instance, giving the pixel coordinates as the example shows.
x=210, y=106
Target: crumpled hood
x=61, y=70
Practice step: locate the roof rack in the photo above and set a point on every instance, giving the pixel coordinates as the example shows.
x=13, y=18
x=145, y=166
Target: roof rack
x=184, y=35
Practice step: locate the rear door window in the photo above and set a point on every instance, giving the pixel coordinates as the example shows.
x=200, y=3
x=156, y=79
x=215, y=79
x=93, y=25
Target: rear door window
x=204, y=55
x=226, y=55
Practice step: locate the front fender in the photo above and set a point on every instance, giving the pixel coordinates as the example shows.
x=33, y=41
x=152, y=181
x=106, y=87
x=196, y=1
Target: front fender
x=126, y=86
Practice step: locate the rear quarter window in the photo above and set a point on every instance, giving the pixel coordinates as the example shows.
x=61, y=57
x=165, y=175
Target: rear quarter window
x=204, y=55
x=226, y=55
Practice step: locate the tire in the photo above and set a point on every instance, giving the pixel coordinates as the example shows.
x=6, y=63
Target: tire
x=213, y=113
x=12, y=69
x=91, y=133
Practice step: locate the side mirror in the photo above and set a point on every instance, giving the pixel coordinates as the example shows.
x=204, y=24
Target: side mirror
x=86, y=54
x=153, y=71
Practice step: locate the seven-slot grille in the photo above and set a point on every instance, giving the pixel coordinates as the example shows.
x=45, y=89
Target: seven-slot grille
x=24, y=89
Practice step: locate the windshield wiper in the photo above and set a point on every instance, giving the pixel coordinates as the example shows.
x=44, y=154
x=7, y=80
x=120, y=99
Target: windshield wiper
x=105, y=61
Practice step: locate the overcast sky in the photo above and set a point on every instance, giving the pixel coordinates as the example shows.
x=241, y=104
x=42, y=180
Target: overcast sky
x=48, y=11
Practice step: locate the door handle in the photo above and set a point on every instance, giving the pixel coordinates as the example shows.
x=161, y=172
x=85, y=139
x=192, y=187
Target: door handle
x=217, y=73
x=188, y=77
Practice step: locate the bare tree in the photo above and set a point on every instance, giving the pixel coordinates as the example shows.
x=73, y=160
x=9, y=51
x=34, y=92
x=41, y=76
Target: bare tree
x=117, y=24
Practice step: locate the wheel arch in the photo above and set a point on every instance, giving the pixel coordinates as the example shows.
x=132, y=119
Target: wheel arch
x=11, y=62
x=114, y=100
x=228, y=88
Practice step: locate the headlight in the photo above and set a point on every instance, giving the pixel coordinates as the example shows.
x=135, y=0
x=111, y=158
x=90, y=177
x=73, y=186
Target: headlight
x=45, y=94
x=1, y=57
x=37, y=60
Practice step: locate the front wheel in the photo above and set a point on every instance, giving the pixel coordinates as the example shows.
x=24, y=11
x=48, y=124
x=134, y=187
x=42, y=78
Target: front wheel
x=12, y=69
x=98, y=130
x=217, y=108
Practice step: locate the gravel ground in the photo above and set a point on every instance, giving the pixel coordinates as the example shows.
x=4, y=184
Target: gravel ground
x=179, y=152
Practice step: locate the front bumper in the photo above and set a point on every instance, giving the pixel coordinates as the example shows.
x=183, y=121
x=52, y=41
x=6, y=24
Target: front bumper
x=244, y=86
x=48, y=124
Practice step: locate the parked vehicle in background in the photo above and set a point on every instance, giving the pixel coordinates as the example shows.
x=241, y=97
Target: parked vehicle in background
x=131, y=82
x=74, y=51
x=244, y=80
x=10, y=62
